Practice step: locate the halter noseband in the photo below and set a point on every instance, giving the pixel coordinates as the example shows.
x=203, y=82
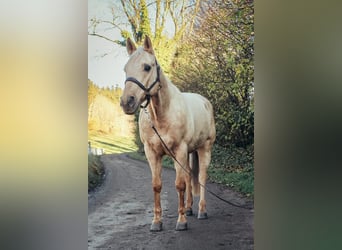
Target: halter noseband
x=142, y=86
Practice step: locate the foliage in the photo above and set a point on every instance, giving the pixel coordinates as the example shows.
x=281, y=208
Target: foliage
x=217, y=61
x=105, y=114
x=232, y=157
x=145, y=26
x=112, y=93
x=239, y=180
x=233, y=167
x=95, y=171
x=92, y=92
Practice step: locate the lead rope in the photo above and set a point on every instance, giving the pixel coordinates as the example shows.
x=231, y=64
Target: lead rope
x=184, y=169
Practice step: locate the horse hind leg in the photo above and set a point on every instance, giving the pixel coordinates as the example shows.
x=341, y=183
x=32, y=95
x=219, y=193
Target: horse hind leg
x=188, y=191
x=192, y=184
x=204, y=160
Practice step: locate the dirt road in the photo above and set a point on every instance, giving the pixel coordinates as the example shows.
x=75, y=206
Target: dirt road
x=120, y=213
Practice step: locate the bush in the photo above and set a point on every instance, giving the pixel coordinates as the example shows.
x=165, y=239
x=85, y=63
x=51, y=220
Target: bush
x=233, y=167
x=95, y=171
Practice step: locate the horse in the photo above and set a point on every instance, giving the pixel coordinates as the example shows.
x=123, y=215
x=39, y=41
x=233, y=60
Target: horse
x=185, y=122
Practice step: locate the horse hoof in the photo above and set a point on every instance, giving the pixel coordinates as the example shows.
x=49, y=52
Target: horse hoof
x=202, y=216
x=156, y=227
x=188, y=212
x=181, y=226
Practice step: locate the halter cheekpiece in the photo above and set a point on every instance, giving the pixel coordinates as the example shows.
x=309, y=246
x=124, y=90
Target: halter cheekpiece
x=146, y=90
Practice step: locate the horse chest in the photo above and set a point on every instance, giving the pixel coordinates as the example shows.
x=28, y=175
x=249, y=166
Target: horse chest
x=152, y=140
x=168, y=139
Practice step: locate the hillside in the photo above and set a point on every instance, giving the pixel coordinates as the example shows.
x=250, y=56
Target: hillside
x=108, y=127
x=106, y=117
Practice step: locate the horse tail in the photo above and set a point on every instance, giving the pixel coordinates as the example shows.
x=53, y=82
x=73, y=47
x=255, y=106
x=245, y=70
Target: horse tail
x=194, y=164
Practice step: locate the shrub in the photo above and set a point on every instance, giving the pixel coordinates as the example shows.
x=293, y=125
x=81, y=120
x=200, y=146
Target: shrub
x=95, y=171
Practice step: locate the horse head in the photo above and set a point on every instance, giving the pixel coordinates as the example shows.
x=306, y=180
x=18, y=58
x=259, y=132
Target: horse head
x=142, y=74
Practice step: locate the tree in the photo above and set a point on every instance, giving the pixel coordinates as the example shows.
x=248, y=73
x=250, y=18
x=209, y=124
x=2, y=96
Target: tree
x=217, y=61
x=137, y=18
x=92, y=92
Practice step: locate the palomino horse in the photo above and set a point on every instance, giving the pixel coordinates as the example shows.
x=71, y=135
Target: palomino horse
x=185, y=122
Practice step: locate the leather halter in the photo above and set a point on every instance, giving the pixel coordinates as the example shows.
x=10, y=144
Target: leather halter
x=142, y=86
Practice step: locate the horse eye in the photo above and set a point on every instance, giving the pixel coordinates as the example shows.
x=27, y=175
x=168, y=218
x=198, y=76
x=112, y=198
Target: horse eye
x=147, y=67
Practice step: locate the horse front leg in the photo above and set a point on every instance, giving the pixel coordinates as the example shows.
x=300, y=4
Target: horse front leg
x=180, y=183
x=155, y=165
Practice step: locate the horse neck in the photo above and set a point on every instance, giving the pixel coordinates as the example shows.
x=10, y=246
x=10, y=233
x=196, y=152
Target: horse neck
x=160, y=103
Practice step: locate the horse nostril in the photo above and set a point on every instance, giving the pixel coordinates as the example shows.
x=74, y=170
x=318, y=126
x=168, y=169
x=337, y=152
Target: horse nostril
x=131, y=100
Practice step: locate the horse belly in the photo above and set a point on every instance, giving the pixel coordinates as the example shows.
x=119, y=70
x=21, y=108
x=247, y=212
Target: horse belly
x=198, y=140
x=202, y=126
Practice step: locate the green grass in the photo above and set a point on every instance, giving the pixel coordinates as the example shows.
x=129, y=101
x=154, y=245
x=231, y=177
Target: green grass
x=233, y=167
x=239, y=180
x=111, y=143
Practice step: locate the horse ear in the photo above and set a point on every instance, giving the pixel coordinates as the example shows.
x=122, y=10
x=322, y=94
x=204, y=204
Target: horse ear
x=130, y=46
x=148, y=45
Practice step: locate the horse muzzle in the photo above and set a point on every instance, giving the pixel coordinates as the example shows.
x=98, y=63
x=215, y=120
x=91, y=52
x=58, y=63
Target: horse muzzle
x=129, y=104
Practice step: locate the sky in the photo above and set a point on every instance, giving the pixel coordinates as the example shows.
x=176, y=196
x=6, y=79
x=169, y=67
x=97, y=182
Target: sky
x=105, y=70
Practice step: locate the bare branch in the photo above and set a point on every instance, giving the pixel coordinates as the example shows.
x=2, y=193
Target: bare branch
x=106, y=38
x=166, y=10
x=194, y=15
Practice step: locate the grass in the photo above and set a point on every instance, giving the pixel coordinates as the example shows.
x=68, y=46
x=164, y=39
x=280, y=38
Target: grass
x=234, y=168
x=111, y=143
x=239, y=180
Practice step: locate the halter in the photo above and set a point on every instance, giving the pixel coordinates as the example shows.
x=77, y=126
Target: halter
x=146, y=90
